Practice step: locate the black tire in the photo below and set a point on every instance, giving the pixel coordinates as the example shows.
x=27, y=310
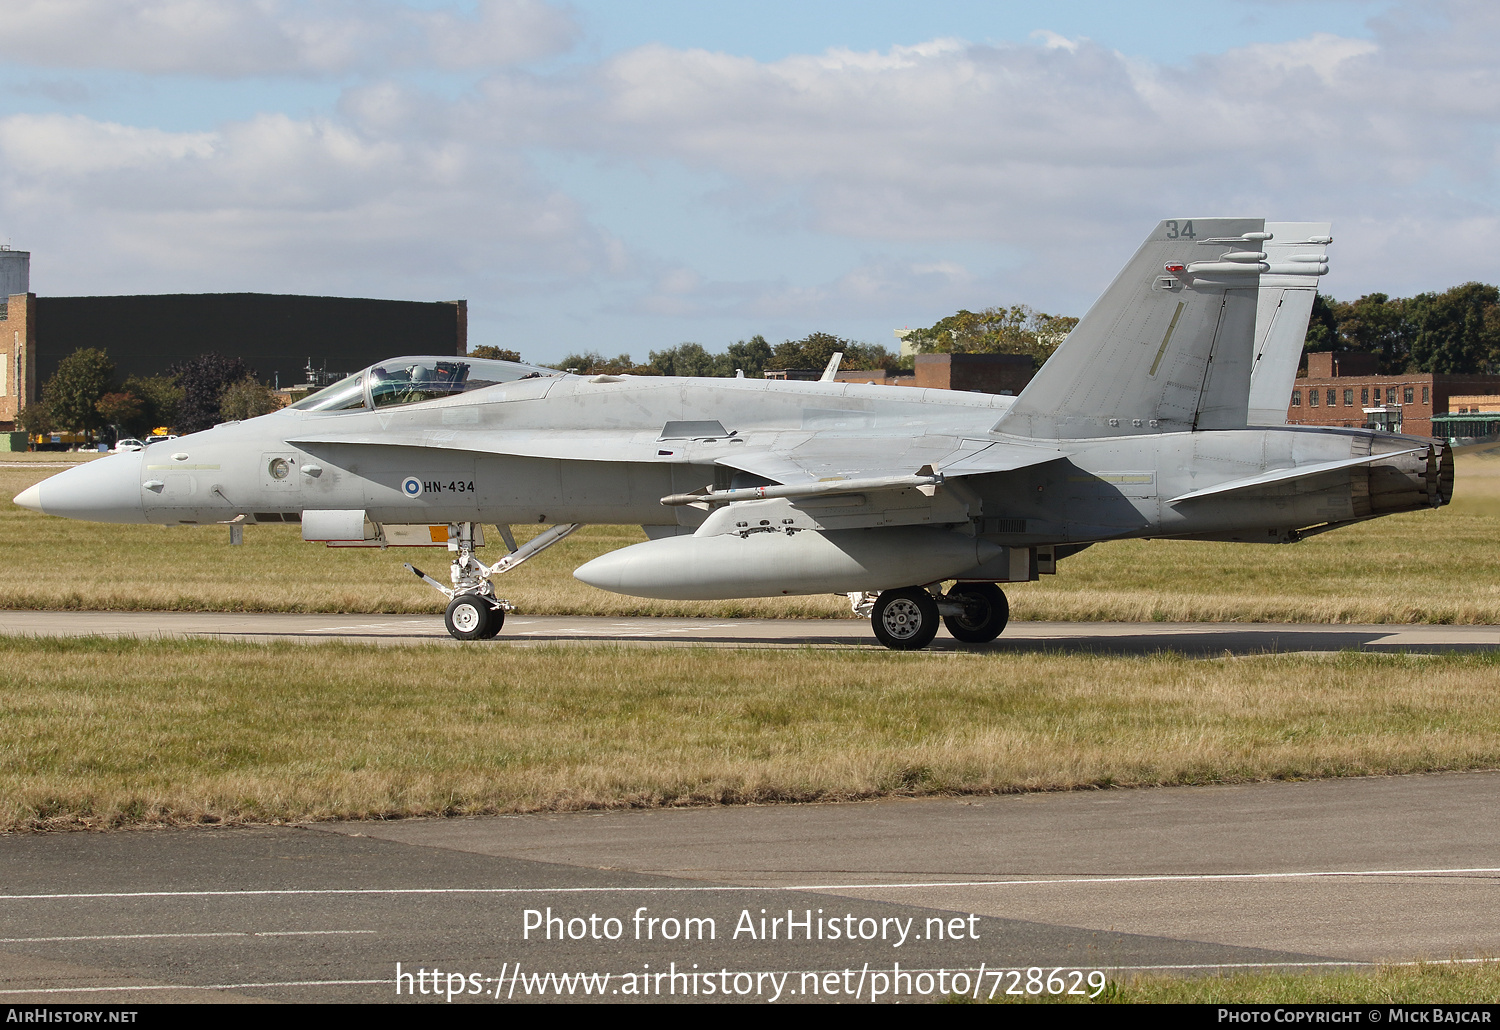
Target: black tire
x=468, y=617
x=905, y=619
x=986, y=611
x=497, y=620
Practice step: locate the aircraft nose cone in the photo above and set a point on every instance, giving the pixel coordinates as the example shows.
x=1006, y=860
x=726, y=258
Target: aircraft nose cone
x=31, y=497
x=104, y=490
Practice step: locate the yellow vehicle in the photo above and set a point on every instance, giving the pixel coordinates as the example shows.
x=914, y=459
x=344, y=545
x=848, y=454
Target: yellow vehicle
x=58, y=441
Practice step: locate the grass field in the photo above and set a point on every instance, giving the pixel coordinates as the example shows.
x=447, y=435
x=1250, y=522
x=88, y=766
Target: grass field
x=1433, y=566
x=116, y=732
x=1476, y=983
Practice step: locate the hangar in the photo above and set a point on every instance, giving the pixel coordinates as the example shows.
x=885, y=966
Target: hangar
x=277, y=335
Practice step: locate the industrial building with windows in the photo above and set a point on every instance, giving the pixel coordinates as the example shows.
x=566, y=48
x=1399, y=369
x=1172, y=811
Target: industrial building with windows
x=1343, y=389
x=278, y=336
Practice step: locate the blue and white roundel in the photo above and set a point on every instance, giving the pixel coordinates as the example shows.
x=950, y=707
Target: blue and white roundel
x=411, y=486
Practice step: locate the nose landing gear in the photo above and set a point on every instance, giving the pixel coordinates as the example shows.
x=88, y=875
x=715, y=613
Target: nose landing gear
x=474, y=611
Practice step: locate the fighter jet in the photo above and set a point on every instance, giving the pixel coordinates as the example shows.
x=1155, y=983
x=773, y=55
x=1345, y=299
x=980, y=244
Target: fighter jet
x=1140, y=425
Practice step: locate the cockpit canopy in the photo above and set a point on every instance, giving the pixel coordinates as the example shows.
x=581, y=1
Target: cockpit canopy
x=411, y=379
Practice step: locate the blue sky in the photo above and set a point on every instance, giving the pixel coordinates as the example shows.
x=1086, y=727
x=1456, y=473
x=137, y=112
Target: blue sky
x=622, y=175
x=769, y=30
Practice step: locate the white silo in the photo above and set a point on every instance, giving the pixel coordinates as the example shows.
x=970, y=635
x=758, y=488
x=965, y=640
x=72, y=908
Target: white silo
x=15, y=271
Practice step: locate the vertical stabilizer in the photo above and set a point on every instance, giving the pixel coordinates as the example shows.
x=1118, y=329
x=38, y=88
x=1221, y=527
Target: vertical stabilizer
x=1298, y=254
x=1167, y=348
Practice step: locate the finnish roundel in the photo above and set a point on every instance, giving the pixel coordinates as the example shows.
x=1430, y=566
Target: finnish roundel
x=411, y=486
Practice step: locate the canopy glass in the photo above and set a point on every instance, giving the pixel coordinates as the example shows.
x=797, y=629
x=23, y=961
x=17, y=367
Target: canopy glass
x=409, y=380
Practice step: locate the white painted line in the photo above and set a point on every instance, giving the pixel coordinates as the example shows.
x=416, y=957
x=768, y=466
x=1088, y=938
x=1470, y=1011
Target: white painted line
x=1355, y=963
x=157, y=936
x=725, y=888
x=1116, y=969
x=1163, y=878
x=193, y=987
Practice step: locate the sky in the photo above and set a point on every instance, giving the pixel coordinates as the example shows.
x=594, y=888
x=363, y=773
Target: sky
x=623, y=176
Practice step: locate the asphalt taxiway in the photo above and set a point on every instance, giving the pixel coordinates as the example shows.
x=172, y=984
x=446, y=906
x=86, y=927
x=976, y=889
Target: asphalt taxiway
x=1321, y=874
x=1110, y=637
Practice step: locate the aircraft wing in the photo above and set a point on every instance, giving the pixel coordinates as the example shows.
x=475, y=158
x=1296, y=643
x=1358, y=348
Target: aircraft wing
x=824, y=458
x=789, y=457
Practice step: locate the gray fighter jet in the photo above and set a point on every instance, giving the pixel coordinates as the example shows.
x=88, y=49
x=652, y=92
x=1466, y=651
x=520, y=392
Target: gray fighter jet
x=1139, y=426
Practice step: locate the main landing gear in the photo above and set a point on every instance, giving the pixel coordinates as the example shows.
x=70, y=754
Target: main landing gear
x=474, y=610
x=906, y=619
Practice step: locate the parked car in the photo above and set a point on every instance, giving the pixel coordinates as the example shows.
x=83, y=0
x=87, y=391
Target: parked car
x=129, y=444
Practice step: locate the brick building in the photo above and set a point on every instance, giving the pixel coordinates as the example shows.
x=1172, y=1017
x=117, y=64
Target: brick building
x=18, y=383
x=1342, y=389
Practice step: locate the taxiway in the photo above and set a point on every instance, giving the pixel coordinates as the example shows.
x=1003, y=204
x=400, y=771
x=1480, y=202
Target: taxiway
x=1322, y=874
x=1113, y=637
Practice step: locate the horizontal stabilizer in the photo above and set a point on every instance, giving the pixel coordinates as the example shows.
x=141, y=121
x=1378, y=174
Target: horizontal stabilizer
x=1286, y=475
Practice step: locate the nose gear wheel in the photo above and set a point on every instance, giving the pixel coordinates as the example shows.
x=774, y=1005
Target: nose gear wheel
x=473, y=617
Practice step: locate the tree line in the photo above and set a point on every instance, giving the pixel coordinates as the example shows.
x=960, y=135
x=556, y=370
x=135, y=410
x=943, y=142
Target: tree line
x=754, y=357
x=1013, y=330
x=85, y=396
x=1455, y=332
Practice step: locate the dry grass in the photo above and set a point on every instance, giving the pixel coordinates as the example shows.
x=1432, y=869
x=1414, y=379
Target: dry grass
x=1434, y=566
x=47, y=457
x=1421, y=984
x=53, y=563
x=114, y=732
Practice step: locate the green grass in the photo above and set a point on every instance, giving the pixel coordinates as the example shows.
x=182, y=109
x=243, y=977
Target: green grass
x=116, y=732
x=1438, y=566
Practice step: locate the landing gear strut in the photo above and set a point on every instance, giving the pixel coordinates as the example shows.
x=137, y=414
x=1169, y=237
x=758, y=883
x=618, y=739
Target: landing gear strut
x=474, y=611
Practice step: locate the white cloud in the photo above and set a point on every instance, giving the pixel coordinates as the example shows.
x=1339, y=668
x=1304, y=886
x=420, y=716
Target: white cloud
x=1056, y=155
x=876, y=287
x=235, y=38
x=1068, y=150
x=284, y=204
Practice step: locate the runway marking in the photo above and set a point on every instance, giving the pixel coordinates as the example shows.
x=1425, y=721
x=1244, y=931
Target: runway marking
x=1308, y=965
x=195, y=987
x=1352, y=963
x=725, y=888
x=155, y=936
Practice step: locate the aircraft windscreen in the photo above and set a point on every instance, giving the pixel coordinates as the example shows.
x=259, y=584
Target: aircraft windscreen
x=344, y=395
x=410, y=380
